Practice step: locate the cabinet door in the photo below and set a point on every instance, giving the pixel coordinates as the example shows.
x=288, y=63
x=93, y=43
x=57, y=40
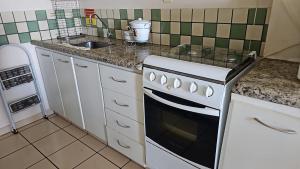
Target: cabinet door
x=91, y=98
x=50, y=81
x=260, y=138
x=67, y=85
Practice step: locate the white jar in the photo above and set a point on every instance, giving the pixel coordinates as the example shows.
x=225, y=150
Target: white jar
x=141, y=30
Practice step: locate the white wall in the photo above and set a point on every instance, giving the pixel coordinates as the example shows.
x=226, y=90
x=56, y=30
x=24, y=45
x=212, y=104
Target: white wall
x=129, y=4
x=22, y=5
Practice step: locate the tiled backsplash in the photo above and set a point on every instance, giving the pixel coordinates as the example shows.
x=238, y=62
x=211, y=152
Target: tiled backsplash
x=24, y=26
x=238, y=28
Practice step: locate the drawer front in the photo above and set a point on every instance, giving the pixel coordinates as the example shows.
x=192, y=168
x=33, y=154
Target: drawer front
x=126, y=126
x=121, y=81
x=126, y=146
x=124, y=105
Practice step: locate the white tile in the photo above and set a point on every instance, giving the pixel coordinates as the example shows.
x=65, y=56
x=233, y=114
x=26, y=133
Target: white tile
x=223, y=30
x=54, y=33
x=30, y=15
x=146, y=14
x=99, y=24
x=116, y=13
x=50, y=14
x=98, y=12
x=155, y=26
x=175, y=14
x=186, y=15
x=198, y=15
x=45, y=35
x=61, y=23
x=78, y=30
x=254, y=32
x=110, y=13
x=208, y=42
x=211, y=15
x=77, y=21
x=13, y=38
x=35, y=35
x=68, y=13
x=124, y=24
x=197, y=29
x=19, y=16
x=130, y=13
x=72, y=31
x=22, y=27
x=2, y=31
x=165, y=39
x=43, y=25
x=185, y=40
x=236, y=44
x=165, y=14
x=224, y=15
x=111, y=23
x=7, y=17
x=118, y=34
x=175, y=28
x=240, y=15
x=156, y=38
x=103, y=13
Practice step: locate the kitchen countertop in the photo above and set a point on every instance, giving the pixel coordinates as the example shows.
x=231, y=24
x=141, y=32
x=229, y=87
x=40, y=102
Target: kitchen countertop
x=272, y=80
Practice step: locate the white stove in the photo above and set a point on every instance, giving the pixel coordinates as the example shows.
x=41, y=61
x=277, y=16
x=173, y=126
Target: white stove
x=186, y=102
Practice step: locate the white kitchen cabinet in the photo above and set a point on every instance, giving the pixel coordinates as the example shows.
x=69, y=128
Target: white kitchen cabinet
x=91, y=98
x=50, y=81
x=261, y=135
x=67, y=84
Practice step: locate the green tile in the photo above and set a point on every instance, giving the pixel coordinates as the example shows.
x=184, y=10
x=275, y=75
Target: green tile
x=261, y=14
x=41, y=15
x=197, y=40
x=138, y=13
x=165, y=27
x=10, y=28
x=100, y=32
x=113, y=33
x=251, y=15
x=174, y=40
x=3, y=40
x=117, y=23
x=24, y=37
x=222, y=42
x=105, y=21
x=70, y=22
x=52, y=24
x=60, y=14
x=255, y=45
x=33, y=26
x=238, y=31
x=264, y=33
x=83, y=21
x=76, y=13
x=155, y=14
x=210, y=29
x=123, y=14
x=185, y=28
x=246, y=45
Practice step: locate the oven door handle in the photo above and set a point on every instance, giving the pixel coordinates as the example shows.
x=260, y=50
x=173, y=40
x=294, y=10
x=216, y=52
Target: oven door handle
x=206, y=110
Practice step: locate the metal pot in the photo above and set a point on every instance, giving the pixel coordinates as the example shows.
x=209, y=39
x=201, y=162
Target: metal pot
x=141, y=30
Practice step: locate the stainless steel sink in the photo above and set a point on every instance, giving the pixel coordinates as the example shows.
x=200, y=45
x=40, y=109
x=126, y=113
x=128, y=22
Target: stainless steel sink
x=92, y=44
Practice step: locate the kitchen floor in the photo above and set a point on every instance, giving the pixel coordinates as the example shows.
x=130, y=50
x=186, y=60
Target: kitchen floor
x=56, y=143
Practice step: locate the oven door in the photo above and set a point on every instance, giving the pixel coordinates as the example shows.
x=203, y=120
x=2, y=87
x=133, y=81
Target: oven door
x=184, y=128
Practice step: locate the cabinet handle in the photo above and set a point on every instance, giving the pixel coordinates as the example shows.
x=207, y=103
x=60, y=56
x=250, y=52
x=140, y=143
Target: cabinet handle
x=124, y=146
x=45, y=55
x=116, y=80
x=63, y=61
x=124, y=126
x=123, y=105
x=287, y=131
x=82, y=66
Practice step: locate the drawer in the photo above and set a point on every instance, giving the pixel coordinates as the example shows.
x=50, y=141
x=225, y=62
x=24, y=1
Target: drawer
x=121, y=81
x=124, y=105
x=126, y=146
x=126, y=126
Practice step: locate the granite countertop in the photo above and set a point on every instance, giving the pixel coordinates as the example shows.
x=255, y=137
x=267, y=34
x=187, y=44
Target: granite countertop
x=272, y=80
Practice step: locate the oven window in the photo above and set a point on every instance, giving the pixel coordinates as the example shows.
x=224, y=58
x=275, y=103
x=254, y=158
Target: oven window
x=190, y=135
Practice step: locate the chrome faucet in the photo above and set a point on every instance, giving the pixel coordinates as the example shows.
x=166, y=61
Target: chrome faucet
x=108, y=34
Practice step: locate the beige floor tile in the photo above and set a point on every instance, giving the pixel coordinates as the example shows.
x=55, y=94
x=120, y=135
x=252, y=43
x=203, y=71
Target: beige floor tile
x=97, y=162
x=39, y=131
x=54, y=142
x=71, y=156
x=114, y=156
x=23, y=158
x=44, y=164
x=59, y=121
x=75, y=131
x=11, y=144
x=132, y=165
x=5, y=135
x=31, y=124
x=92, y=142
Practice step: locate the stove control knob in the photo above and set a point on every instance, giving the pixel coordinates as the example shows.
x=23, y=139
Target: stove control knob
x=152, y=76
x=177, y=83
x=209, y=91
x=193, y=87
x=163, y=79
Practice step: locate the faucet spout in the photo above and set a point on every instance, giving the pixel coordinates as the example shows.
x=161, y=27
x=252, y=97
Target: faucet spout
x=109, y=34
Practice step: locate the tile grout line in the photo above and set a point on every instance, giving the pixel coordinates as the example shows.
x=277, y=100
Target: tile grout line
x=84, y=160
x=15, y=151
x=110, y=160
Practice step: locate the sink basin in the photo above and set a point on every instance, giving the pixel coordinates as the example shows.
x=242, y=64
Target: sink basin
x=92, y=44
